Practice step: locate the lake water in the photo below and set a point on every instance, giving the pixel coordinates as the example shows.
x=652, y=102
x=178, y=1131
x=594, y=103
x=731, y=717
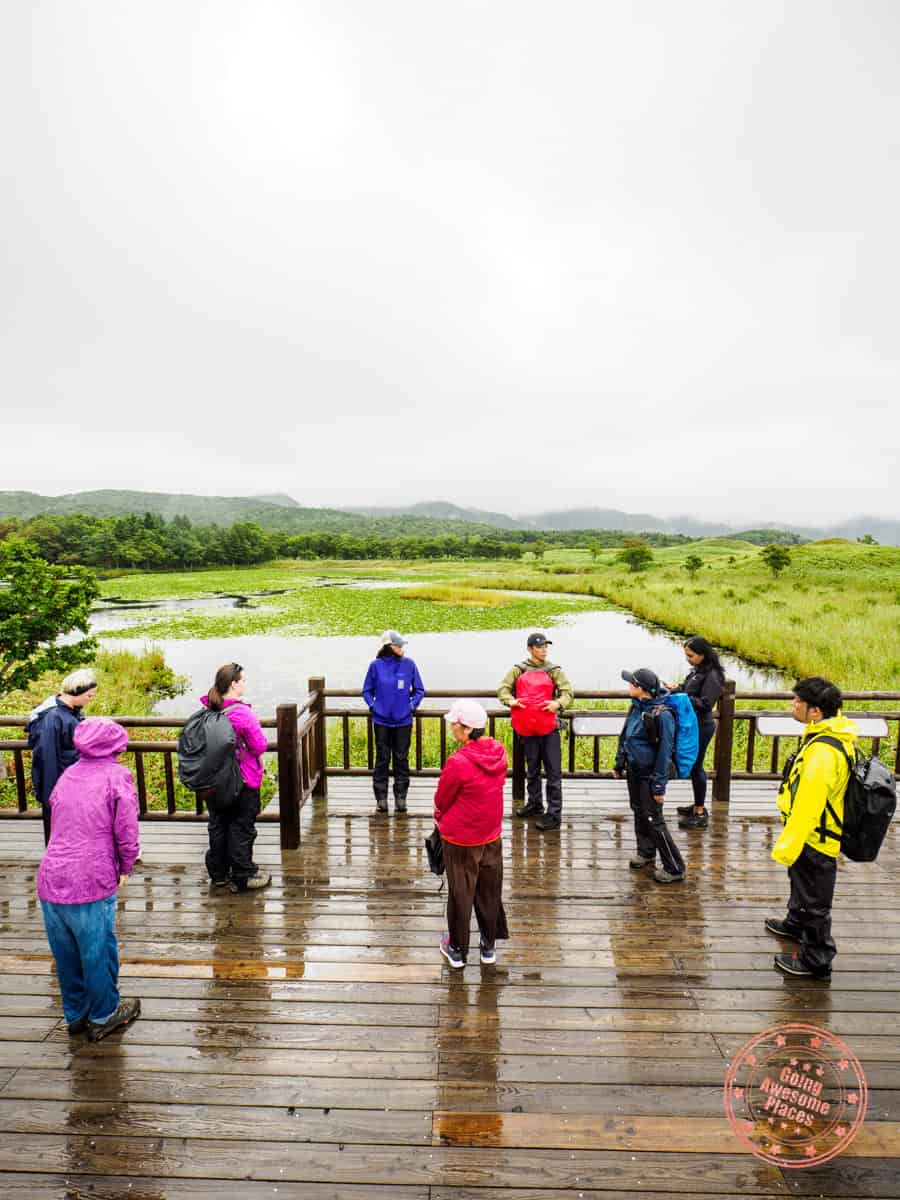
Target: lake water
x=593, y=647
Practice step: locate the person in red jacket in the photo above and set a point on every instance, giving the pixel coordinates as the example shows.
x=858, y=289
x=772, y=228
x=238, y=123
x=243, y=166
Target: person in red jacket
x=468, y=811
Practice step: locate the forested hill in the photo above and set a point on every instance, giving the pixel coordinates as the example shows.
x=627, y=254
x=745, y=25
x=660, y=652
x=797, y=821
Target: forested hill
x=281, y=513
x=283, y=516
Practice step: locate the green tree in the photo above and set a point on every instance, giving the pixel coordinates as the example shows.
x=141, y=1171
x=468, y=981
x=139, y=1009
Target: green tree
x=636, y=554
x=776, y=558
x=692, y=564
x=39, y=603
x=867, y=540
x=538, y=549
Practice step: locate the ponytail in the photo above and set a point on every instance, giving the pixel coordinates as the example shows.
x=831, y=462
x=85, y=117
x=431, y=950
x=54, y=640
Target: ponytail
x=225, y=677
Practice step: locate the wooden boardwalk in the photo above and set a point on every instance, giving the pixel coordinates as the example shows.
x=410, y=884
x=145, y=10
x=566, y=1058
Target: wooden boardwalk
x=309, y=1043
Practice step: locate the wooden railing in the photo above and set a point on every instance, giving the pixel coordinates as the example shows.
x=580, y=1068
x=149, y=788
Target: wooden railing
x=303, y=747
x=299, y=744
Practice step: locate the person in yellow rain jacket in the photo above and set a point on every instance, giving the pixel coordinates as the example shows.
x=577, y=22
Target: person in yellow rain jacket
x=811, y=801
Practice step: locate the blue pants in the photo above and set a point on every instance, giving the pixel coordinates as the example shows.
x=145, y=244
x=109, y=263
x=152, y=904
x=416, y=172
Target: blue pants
x=83, y=940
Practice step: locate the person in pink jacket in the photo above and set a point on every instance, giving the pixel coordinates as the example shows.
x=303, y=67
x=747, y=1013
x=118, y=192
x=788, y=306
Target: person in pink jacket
x=232, y=831
x=92, y=850
x=468, y=811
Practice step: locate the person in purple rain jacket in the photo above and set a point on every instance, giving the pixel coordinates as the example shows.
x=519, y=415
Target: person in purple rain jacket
x=93, y=848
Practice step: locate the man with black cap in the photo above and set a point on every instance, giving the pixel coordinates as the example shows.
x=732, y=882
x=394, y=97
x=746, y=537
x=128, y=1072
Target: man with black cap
x=536, y=691
x=643, y=756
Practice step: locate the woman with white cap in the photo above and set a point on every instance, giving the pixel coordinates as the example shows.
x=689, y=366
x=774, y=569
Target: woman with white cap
x=468, y=811
x=392, y=690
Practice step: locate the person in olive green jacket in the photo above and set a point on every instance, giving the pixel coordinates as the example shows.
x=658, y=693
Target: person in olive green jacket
x=811, y=802
x=535, y=691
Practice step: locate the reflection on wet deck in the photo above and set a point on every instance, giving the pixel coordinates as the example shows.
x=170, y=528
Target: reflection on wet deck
x=309, y=1042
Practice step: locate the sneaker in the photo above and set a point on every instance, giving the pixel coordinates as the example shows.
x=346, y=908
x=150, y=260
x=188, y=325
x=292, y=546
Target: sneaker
x=381, y=806
x=697, y=820
x=684, y=810
x=219, y=882
x=128, y=1011
x=791, y=964
x=663, y=876
x=783, y=929
x=487, y=954
x=547, y=823
x=452, y=955
x=638, y=862
x=77, y=1027
x=529, y=810
x=253, y=884
x=400, y=806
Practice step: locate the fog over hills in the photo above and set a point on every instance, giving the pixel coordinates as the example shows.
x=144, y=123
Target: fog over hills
x=281, y=511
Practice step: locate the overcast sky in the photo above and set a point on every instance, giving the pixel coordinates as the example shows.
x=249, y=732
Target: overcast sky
x=511, y=254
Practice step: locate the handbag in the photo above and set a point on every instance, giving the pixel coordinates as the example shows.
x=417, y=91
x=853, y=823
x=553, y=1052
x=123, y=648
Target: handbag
x=434, y=848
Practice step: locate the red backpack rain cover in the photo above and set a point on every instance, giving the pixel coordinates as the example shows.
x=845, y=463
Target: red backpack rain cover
x=534, y=688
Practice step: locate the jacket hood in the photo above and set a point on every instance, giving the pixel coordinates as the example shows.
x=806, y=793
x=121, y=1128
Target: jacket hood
x=837, y=726
x=99, y=737
x=487, y=754
x=50, y=702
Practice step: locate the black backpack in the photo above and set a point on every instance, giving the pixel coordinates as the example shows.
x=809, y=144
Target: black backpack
x=206, y=759
x=869, y=803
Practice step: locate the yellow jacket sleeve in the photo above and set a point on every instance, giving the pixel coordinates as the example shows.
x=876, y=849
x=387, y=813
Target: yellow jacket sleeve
x=822, y=778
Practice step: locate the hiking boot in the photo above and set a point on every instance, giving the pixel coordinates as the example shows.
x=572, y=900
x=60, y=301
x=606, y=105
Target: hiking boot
x=453, y=956
x=400, y=805
x=219, y=882
x=487, y=954
x=791, y=964
x=638, y=862
x=253, y=884
x=661, y=875
x=128, y=1011
x=529, y=810
x=381, y=804
x=78, y=1026
x=684, y=810
x=696, y=820
x=783, y=929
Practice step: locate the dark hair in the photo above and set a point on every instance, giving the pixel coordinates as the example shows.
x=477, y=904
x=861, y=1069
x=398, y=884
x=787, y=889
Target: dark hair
x=475, y=734
x=711, y=660
x=385, y=652
x=819, y=693
x=225, y=677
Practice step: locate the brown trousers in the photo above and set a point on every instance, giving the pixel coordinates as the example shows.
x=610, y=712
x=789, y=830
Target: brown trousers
x=475, y=877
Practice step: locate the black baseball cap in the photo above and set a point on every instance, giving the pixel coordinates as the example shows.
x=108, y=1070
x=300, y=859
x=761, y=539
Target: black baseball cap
x=538, y=639
x=643, y=678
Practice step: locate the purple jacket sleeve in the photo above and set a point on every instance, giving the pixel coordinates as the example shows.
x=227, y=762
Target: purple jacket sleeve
x=125, y=825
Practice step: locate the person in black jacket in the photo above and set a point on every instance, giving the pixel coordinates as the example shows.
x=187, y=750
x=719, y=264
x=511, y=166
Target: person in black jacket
x=704, y=686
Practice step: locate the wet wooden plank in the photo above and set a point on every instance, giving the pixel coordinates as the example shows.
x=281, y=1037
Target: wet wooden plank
x=381, y=1165
x=75, y=1186
x=686, y=1135
x=244, y=1123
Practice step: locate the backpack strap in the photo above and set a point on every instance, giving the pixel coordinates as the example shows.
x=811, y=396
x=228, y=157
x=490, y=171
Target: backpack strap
x=837, y=744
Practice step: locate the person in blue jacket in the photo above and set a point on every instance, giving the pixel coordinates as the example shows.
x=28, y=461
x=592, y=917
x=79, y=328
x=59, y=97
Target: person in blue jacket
x=643, y=757
x=51, y=731
x=393, y=690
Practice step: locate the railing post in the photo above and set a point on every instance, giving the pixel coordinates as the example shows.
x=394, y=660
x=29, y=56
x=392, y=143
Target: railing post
x=518, y=768
x=320, y=738
x=288, y=776
x=724, y=744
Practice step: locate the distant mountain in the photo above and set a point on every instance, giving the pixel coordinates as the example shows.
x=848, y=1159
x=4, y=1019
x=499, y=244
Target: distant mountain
x=280, y=511
x=279, y=498
x=441, y=510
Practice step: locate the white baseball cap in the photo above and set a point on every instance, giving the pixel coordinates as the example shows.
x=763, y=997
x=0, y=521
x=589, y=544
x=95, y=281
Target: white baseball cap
x=468, y=712
x=391, y=637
